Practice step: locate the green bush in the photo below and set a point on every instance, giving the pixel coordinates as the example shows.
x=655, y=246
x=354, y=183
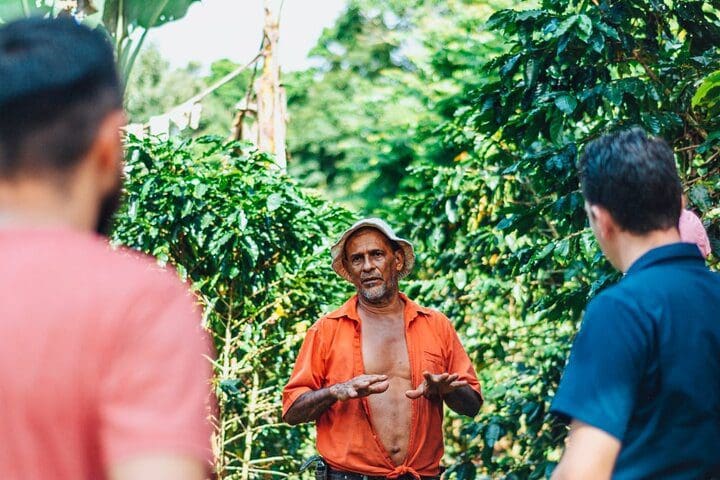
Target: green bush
x=254, y=247
x=505, y=249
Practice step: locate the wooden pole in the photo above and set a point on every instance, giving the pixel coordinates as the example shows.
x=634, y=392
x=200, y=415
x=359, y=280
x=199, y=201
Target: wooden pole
x=271, y=100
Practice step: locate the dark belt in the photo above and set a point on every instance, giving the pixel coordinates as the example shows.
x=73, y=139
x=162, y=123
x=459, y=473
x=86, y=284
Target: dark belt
x=333, y=474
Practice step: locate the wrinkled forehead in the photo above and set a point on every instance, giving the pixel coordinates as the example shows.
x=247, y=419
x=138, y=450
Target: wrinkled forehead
x=372, y=234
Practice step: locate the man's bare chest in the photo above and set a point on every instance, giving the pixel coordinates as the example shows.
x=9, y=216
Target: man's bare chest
x=385, y=351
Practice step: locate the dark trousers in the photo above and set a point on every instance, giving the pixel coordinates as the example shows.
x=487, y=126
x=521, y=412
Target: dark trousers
x=333, y=474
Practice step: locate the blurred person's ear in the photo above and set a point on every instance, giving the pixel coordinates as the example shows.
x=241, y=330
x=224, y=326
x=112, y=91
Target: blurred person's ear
x=106, y=152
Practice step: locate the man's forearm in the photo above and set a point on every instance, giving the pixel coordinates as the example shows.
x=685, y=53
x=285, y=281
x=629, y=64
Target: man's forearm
x=309, y=406
x=590, y=454
x=464, y=401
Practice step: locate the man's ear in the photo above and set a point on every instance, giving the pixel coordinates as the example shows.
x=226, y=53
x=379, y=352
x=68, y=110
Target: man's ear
x=399, y=259
x=605, y=224
x=106, y=152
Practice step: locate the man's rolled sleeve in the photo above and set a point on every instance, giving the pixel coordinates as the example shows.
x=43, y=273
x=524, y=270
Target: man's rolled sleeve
x=308, y=372
x=606, y=365
x=459, y=362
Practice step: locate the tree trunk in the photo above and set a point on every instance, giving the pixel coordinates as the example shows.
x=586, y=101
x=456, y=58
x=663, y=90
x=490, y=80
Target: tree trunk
x=271, y=100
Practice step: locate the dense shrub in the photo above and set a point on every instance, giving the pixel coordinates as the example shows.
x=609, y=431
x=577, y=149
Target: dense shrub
x=505, y=246
x=255, y=249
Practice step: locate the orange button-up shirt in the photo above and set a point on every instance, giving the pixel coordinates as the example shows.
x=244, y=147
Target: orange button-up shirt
x=332, y=353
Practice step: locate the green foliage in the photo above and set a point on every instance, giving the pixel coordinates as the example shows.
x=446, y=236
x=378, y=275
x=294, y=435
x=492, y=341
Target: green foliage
x=703, y=193
x=221, y=105
x=128, y=21
x=254, y=248
x=386, y=79
x=708, y=94
x=125, y=21
x=154, y=88
x=128, y=15
x=505, y=249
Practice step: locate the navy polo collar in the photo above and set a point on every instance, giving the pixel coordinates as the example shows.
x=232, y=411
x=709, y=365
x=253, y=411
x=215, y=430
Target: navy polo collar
x=666, y=253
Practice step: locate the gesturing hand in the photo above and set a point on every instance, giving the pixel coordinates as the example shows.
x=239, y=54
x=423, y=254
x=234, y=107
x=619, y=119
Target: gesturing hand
x=436, y=386
x=360, y=386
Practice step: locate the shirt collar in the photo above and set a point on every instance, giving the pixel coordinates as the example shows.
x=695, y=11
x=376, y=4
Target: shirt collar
x=666, y=253
x=349, y=309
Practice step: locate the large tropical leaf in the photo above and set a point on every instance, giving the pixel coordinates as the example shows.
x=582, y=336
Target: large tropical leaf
x=140, y=13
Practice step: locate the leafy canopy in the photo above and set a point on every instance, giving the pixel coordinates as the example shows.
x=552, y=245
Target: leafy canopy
x=505, y=246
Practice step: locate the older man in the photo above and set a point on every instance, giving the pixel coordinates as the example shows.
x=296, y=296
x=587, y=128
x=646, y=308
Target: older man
x=375, y=373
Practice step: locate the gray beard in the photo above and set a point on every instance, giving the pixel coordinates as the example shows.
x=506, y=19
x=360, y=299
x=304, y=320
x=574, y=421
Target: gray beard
x=377, y=294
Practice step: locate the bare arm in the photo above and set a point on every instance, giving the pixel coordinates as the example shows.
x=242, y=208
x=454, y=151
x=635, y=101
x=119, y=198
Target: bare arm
x=310, y=405
x=457, y=394
x=464, y=401
x=590, y=454
x=159, y=467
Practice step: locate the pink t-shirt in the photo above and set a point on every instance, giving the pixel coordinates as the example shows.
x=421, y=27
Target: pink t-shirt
x=692, y=231
x=101, y=358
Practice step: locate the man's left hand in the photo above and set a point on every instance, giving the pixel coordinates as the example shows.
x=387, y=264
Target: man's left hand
x=436, y=386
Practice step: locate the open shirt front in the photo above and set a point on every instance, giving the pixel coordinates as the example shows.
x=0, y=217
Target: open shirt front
x=332, y=353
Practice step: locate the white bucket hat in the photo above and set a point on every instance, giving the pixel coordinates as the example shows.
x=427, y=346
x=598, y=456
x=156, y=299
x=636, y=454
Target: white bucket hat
x=337, y=251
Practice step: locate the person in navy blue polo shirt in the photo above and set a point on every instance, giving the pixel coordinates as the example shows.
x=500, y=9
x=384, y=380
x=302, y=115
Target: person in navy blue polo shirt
x=642, y=385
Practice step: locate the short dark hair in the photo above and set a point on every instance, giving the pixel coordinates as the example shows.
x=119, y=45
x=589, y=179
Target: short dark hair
x=635, y=178
x=58, y=81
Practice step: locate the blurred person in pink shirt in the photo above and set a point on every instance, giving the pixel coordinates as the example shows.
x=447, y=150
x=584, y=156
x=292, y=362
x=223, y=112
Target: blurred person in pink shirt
x=103, y=368
x=692, y=230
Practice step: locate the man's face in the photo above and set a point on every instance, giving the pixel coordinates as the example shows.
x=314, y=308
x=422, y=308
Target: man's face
x=372, y=265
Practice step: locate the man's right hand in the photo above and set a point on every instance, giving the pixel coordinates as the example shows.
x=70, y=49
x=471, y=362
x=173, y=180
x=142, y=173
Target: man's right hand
x=312, y=404
x=360, y=386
